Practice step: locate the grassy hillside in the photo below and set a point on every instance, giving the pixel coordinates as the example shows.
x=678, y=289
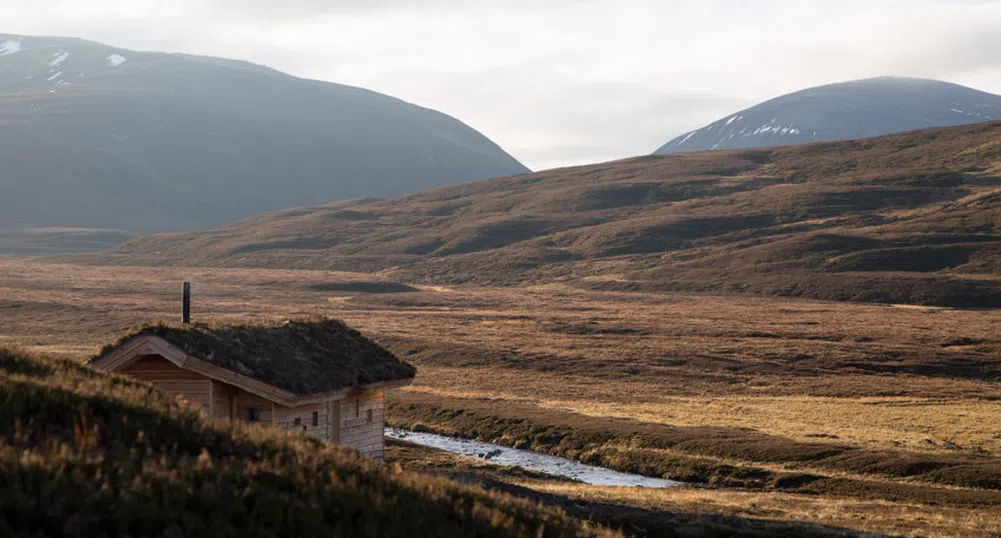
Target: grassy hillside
x=85, y=454
x=909, y=218
x=870, y=417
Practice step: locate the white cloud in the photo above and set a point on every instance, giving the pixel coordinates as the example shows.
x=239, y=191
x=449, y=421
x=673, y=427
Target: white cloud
x=562, y=81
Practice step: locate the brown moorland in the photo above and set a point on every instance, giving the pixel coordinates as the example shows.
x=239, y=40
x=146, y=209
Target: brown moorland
x=764, y=400
x=684, y=511
x=906, y=218
x=84, y=453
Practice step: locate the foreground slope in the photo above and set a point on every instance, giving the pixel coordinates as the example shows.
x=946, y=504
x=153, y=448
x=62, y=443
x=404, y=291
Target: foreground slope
x=855, y=109
x=911, y=217
x=86, y=454
x=101, y=137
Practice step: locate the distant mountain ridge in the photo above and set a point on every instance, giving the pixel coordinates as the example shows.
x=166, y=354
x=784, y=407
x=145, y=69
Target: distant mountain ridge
x=907, y=218
x=842, y=111
x=96, y=136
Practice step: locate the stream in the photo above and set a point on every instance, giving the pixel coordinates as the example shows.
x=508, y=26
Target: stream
x=526, y=459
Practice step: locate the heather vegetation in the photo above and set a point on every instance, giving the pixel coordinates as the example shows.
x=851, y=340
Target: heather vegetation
x=906, y=218
x=87, y=454
x=869, y=417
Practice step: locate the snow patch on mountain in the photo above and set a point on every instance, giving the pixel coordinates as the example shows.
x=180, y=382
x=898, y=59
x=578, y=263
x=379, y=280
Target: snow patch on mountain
x=58, y=59
x=54, y=76
x=846, y=110
x=773, y=127
x=974, y=114
x=10, y=47
x=115, y=60
x=725, y=130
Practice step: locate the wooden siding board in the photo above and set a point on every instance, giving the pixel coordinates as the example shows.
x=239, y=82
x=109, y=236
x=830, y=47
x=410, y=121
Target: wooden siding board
x=169, y=378
x=245, y=400
x=356, y=430
x=222, y=395
x=305, y=414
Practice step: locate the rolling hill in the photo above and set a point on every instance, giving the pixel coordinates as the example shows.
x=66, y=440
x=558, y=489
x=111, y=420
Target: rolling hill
x=88, y=454
x=847, y=110
x=909, y=218
x=98, y=137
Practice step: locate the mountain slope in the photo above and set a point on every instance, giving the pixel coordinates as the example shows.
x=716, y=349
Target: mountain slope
x=856, y=109
x=99, y=137
x=42, y=241
x=910, y=218
x=88, y=454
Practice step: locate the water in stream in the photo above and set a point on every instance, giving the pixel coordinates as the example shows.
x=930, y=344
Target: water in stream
x=544, y=463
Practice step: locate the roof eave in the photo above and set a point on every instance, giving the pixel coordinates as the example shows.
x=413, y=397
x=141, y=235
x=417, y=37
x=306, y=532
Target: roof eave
x=342, y=393
x=145, y=344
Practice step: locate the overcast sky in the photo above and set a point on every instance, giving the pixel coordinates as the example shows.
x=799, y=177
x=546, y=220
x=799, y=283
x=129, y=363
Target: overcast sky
x=558, y=82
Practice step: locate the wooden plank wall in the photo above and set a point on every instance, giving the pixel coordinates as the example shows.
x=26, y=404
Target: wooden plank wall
x=285, y=418
x=162, y=373
x=363, y=418
x=222, y=400
x=244, y=400
x=359, y=423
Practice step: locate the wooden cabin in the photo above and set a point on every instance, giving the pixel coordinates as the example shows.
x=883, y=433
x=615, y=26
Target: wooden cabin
x=318, y=376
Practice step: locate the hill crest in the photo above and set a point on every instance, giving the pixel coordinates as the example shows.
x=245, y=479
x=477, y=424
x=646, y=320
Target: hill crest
x=101, y=137
x=841, y=111
x=908, y=218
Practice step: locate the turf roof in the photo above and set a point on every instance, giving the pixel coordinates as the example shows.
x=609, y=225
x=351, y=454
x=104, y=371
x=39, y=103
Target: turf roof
x=302, y=356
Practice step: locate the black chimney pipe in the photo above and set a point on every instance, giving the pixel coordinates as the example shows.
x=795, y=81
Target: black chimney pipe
x=186, y=307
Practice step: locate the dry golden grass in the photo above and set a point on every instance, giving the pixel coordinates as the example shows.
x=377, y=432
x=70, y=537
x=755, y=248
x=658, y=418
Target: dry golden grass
x=691, y=352
x=872, y=377
x=914, y=424
x=870, y=516
x=864, y=515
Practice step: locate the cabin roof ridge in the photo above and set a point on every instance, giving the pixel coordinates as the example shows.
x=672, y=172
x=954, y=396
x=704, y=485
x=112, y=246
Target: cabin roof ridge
x=297, y=360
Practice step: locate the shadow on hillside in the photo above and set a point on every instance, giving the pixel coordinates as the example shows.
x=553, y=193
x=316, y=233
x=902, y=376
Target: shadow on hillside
x=364, y=287
x=642, y=522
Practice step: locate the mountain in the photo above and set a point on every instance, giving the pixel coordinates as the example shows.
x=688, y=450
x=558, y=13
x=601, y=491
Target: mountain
x=905, y=218
x=99, y=137
x=847, y=110
x=42, y=241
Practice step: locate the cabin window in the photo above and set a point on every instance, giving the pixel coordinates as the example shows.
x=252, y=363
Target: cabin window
x=253, y=414
x=297, y=421
x=370, y=415
x=316, y=418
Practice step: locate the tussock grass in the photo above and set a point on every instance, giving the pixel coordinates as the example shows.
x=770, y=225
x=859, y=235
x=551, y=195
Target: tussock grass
x=872, y=516
x=875, y=379
x=713, y=455
x=87, y=454
x=679, y=511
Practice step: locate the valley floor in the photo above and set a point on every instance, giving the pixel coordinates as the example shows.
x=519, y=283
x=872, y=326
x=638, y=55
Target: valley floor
x=693, y=510
x=869, y=417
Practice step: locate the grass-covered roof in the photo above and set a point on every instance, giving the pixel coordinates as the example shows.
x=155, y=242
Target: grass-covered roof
x=303, y=356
